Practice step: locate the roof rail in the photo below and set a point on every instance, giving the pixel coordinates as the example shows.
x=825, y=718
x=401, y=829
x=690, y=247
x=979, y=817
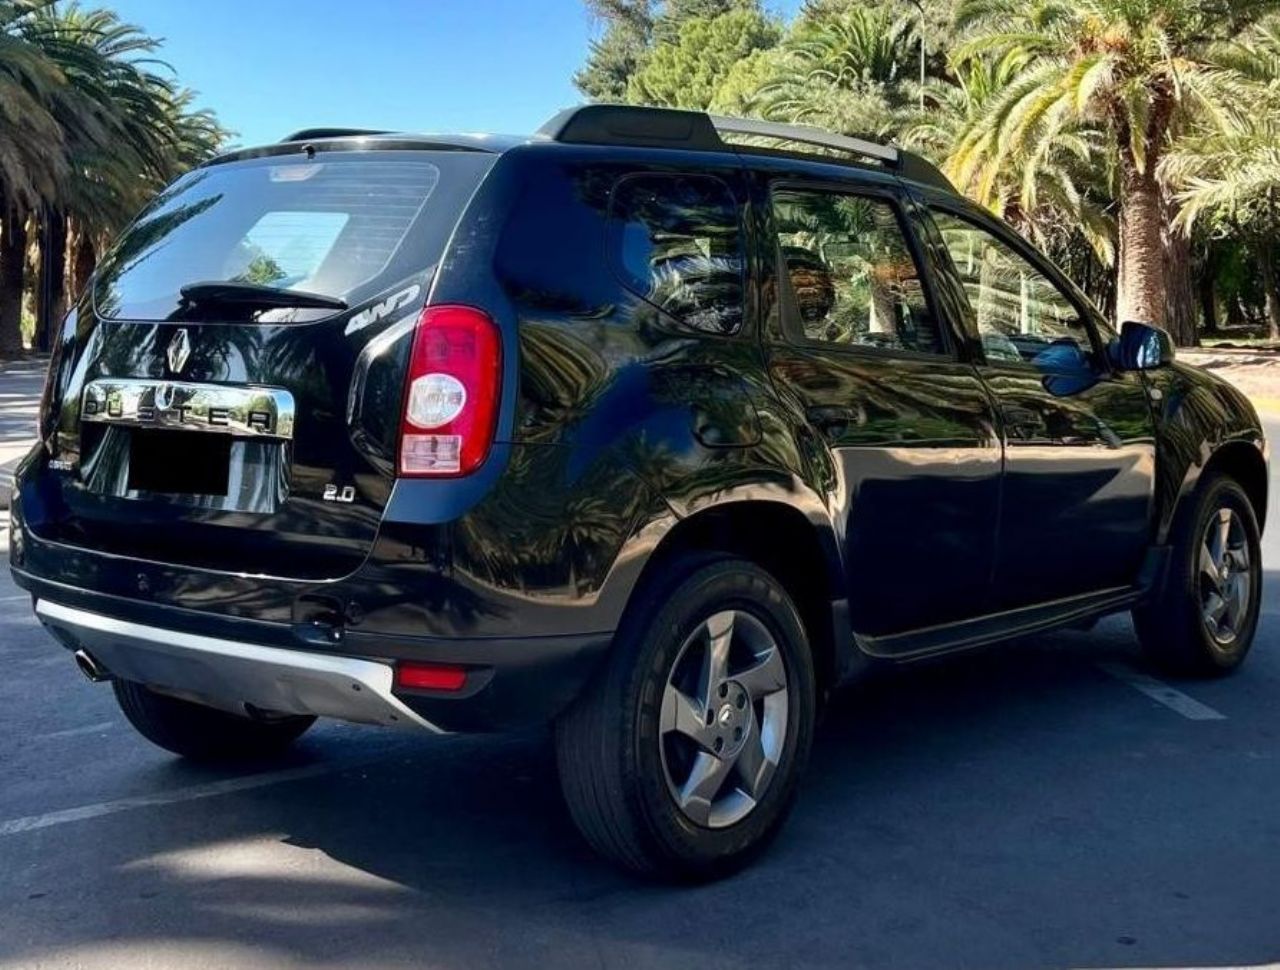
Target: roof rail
x=633, y=125
x=805, y=135
x=311, y=134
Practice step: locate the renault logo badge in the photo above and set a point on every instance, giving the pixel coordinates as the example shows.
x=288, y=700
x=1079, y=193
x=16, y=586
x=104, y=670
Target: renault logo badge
x=179, y=350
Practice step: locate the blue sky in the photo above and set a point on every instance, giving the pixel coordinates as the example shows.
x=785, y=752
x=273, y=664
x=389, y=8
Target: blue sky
x=271, y=66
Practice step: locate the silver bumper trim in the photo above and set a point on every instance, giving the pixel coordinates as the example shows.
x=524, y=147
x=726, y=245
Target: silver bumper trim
x=228, y=674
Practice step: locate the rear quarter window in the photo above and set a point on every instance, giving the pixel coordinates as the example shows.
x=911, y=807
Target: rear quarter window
x=677, y=241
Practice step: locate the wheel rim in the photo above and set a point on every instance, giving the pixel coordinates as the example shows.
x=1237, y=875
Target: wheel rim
x=723, y=724
x=1226, y=577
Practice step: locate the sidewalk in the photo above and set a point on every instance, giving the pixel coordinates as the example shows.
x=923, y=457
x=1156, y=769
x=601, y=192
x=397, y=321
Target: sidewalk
x=21, y=382
x=1255, y=372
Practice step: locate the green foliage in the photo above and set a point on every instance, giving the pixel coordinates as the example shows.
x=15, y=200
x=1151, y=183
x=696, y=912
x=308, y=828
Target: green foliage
x=688, y=72
x=1227, y=168
x=91, y=125
x=615, y=57
x=107, y=126
x=262, y=269
x=844, y=71
x=676, y=13
x=632, y=30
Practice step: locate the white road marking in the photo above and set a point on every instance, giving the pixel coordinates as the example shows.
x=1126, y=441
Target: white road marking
x=1162, y=693
x=29, y=823
x=13, y=599
x=76, y=731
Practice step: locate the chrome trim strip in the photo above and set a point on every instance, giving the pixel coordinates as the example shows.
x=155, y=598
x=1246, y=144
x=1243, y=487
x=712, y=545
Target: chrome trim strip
x=228, y=674
x=246, y=411
x=805, y=134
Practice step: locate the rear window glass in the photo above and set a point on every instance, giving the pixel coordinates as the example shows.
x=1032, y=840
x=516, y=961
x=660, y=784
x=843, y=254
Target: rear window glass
x=676, y=240
x=344, y=224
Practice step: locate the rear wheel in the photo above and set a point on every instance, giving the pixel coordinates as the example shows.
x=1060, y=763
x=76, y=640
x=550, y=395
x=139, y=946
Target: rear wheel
x=204, y=733
x=1202, y=619
x=682, y=759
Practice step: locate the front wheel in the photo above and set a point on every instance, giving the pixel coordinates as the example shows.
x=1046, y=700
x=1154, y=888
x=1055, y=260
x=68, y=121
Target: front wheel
x=682, y=760
x=1201, y=620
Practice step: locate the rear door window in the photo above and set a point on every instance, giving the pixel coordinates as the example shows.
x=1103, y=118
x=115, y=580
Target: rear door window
x=677, y=241
x=342, y=224
x=850, y=275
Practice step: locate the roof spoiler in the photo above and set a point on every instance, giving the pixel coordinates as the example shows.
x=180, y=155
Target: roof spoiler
x=631, y=125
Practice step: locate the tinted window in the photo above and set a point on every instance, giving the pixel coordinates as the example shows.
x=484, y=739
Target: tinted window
x=852, y=277
x=342, y=224
x=676, y=240
x=1021, y=315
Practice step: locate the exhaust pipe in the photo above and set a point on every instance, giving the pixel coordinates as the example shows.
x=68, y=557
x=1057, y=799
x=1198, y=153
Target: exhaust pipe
x=90, y=667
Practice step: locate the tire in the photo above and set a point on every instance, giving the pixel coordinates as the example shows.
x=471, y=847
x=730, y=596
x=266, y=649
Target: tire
x=624, y=776
x=204, y=733
x=1174, y=625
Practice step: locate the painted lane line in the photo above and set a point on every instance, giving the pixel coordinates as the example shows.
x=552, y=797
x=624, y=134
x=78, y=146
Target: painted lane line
x=30, y=823
x=1162, y=693
x=13, y=599
x=76, y=731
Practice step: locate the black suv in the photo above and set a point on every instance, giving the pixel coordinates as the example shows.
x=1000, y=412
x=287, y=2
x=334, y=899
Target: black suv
x=655, y=425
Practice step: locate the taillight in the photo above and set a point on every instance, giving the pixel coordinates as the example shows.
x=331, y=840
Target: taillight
x=451, y=398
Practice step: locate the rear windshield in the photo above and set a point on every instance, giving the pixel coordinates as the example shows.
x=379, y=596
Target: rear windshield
x=342, y=224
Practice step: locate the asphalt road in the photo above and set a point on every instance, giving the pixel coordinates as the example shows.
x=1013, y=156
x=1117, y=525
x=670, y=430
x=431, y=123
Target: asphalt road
x=1030, y=807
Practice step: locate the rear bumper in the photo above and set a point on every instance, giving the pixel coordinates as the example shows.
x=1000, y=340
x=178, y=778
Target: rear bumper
x=233, y=675
x=230, y=663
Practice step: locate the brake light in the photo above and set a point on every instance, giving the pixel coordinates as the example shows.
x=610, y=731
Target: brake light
x=451, y=397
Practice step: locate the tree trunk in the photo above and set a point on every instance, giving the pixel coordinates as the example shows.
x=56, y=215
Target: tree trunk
x=1208, y=300
x=1271, y=286
x=1141, y=284
x=51, y=303
x=1235, y=313
x=83, y=262
x=1180, y=295
x=13, y=260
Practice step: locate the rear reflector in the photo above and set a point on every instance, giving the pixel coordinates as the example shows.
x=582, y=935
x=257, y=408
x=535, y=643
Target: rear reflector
x=416, y=676
x=451, y=395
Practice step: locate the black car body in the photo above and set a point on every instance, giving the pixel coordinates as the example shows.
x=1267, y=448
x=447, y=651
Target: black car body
x=806, y=362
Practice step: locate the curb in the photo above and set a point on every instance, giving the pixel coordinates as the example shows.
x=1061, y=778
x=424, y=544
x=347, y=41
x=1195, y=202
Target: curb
x=1269, y=406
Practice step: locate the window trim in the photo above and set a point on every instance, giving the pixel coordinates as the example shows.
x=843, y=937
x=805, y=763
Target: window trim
x=1011, y=240
x=669, y=321
x=795, y=336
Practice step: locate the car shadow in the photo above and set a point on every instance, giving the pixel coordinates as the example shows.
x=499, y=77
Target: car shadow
x=1017, y=808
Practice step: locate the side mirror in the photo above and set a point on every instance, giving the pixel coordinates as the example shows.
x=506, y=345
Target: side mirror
x=1143, y=346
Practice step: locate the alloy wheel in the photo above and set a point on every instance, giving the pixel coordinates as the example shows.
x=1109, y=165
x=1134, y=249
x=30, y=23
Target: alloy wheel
x=1226, y=577
x=723, y=723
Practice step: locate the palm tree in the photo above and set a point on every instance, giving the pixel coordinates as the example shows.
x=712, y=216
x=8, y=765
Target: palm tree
x=839, y=71
x=146, y=134
x=1055, y=191
x=1137, y=70
x=32, y=155
x=1227, y=175
x=93, y=133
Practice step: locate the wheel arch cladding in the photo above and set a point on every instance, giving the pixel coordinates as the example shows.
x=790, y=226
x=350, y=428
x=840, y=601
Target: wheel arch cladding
x=789, y=546
x=1243, y=461
x=1203, y=425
